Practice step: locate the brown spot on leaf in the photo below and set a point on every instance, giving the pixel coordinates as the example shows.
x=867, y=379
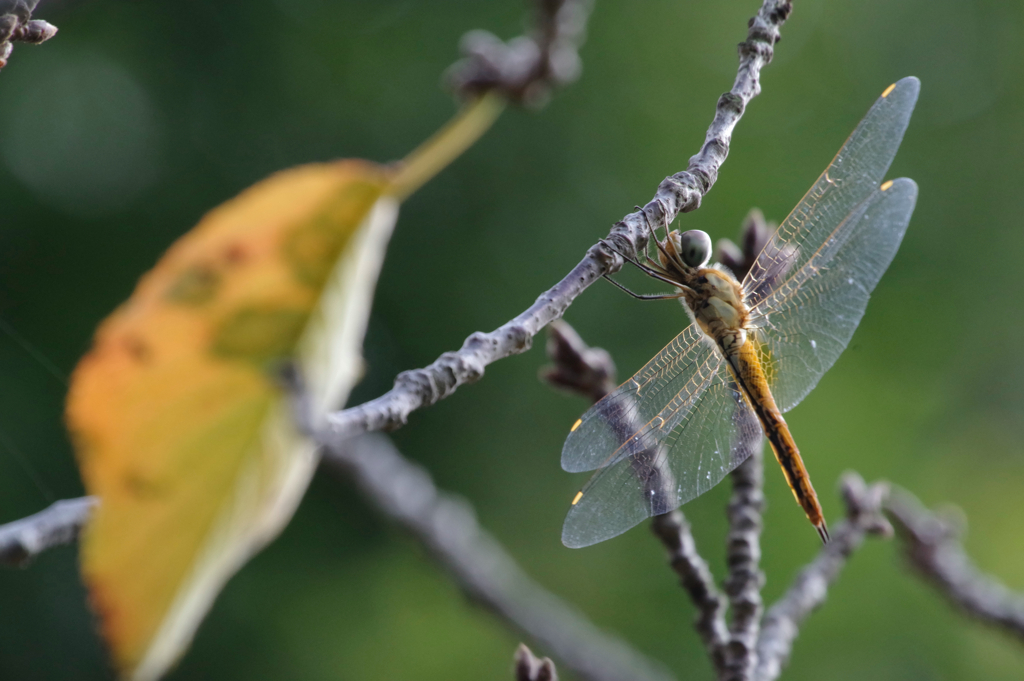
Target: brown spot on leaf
x=260, y=334
x=139, y=486
x=235, y=254
x=195, y=286
x=311, y=251
x=138, y=349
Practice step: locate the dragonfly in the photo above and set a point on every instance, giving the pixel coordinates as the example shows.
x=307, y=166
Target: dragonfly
x=754, y=348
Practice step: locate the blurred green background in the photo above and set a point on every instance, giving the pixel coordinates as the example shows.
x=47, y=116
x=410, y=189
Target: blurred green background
x=116, y=136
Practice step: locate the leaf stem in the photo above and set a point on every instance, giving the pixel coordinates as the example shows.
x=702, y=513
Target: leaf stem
x=446, y=145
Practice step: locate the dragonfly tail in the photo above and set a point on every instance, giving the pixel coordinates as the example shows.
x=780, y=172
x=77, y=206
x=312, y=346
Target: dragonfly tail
x=823, y=531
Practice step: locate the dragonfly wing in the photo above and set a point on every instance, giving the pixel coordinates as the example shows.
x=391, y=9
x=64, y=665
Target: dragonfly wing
x=676, y=374
x=681, y=453
x=854, y=174
x=807, y=320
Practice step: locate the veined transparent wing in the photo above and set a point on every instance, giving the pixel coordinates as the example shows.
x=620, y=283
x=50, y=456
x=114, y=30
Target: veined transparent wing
x=676, y=376
x=854, y=174
x=674, y=430
x=806, y=322
x=808, y=288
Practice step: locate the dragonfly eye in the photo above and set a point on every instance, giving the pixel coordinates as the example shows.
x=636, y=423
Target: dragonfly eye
x=695, y=247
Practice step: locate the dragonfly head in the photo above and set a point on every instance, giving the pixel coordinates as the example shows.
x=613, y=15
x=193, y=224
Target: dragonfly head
x=690, y=249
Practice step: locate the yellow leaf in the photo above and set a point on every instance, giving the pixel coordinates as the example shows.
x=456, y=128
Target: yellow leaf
x=178, y=423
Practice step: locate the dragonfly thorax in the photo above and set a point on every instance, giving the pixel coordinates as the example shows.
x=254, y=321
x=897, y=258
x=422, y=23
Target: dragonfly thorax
x=712, y=296
x=715, y=299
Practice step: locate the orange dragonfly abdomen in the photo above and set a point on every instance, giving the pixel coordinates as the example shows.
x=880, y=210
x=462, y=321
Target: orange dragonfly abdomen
x=745, y=365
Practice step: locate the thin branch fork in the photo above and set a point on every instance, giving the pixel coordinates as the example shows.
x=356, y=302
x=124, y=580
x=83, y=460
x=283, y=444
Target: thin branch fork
x=590, y=372
x=525, y=69
x=673, y=530
x=741, y=651
x=810, y=588
x=732, y=649
x=448, y=528
x=676, y=194
x=933, y=547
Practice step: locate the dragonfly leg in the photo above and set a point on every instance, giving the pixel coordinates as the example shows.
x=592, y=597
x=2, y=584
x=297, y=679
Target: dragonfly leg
x=643, y=268
x=645, y=296
x=654, y=238
x=675, y=258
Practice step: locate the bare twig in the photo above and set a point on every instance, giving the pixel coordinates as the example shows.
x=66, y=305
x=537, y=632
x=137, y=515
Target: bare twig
x=754, y=236
x=743, y=546
x=527, y=68
x=448, y=528
x=589, y=372
x=809, y=590
x=529, y=668
x=17, y=25
x=743, y=555
x=446, y=525
x=695, y=576
x=676, y=194
x=931, y=544
x=58, y=524
x=576, y=367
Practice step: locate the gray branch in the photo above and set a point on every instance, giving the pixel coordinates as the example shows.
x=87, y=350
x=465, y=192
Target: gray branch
x=695, y=577
x=56, y=525
x=525, y=69
x=809, y=590
x=447, y=527
x=743, y=556
x=17, y=25
x=932, y=546
x=590, y=372
x=576, y=367
x=676, y=194
x=746, y=507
